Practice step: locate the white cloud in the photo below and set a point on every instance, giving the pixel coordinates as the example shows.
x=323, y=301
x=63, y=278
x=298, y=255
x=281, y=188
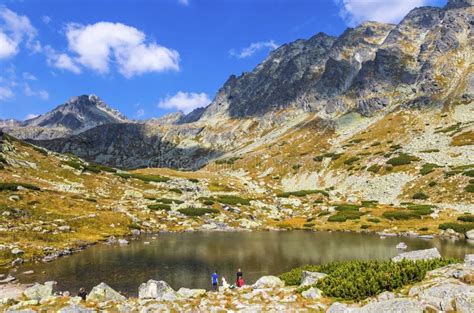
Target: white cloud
x=42, y=94
x=30, y=116
x=6, y=93
x=183, y=2
x=46, y=19
x=253, y=48
x=61, y=60
x=185, y=101
x=99, y=45
x=29, y=76
x=140, y=113
x=355, y=12
x=15, y=29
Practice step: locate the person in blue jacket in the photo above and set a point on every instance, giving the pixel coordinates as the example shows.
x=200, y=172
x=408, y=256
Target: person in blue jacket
x=215, y=280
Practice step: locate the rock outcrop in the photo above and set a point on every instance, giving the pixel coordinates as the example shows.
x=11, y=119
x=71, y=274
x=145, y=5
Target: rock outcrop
x=426, y=254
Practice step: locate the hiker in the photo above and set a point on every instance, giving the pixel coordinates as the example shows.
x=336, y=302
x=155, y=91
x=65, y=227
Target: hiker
x=240, y=278
x=225, y=284
x=214, y=280
x=82, y=293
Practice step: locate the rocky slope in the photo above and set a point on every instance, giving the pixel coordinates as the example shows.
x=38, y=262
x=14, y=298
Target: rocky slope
x=75, y=116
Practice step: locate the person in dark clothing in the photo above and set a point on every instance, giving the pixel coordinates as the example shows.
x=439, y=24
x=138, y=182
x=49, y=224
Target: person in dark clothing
x=240, y=278
x=82, y=293
x=215, y=280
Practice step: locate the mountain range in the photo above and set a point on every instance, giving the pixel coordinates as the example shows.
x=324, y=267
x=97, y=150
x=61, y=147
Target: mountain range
x=423, y=65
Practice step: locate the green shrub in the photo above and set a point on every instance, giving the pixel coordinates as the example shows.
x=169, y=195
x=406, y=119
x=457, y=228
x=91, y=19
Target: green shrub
x=453, y=128
x=134, y=226
x=333, y=156
x=369, y=203
x=193, y=180
x=323, y=213
x=357, y=280
x=232, y=200
x=96, y=168
x=176, y=190
x=432, y=184
x=208, y=202
x=466, y=218
x=228, y=161
x=145, y=178
x=469, y=188
x=345, y=215
x=159, y=206
x=308, y=224
x=14, y=186
x=401, y=215
x=347, y=207
x=452, y=173
x=74, y=164
x=420, y=196
x=3, y=160
x=402, y=159
x=168, y=201
x=301, y=193
x=374, y=220
x=296, y=167
x=197, y=211
x=428, y=168
x=364, y=226
x=423, y=228
x=421, y=209
x=374, y=168
x=351, y=160
x=457, y=227
x=430, y=151
x=469, y=173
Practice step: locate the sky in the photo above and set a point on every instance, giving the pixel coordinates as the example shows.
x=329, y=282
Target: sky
x=150, y=58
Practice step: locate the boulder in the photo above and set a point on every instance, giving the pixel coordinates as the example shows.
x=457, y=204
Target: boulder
x=469, y=259
x=310, y=278
x=399, y=305
x=464, y=303
x=268, y=282
x=191, y=293
x=123, y=242
x=156, y=289
x=470, y=234
x=39, y=292
x=104, y=292
x=442, y=295
x=426, y=254
x=76, y=309
x=312, y=293
x=17, y=251
x=338, y=307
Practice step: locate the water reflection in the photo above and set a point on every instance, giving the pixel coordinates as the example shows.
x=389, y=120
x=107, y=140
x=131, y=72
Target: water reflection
x=188, y=259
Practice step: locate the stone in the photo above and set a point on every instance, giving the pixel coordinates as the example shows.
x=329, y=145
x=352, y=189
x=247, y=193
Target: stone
x=17, y=251
x=76, y=309
x=469, y=258
x=399, y=305
x=17, y=261
x=39, y=292
x=64, y=228
x=464, y=303
x=122, y=242
x=426, y=254
x=154, y=289
x=470, y=234
x=441, y=295
x=104, y=292
x=386, y=295
x=310, y=278
x=312, y=293
x=401, y=246
x=136, y=232
x=338, y=307
x=190, y=293
x=268, y=282
x=9, y=279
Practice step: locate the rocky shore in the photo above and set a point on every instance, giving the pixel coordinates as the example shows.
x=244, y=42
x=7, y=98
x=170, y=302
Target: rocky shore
x=446, y=289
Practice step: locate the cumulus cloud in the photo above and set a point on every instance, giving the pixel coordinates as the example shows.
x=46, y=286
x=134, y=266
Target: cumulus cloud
x=185, y=101
x=183, y=2
x=15, y=29
x=28, y=76
x=6, y=93
x=61, y=60
x=46, y=19
x=97, y=46
x=355, y=12
x=140, y=113
x=42, y=94
x=253, y=48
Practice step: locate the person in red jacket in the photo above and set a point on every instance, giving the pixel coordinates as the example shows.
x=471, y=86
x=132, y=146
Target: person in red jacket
x=240, y=278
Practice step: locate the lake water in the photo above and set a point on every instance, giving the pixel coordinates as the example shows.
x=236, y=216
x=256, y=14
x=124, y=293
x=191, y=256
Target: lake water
x=188, y=259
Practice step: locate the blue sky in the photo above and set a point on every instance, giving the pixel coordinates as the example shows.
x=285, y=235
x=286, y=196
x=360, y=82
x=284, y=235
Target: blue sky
x=148, y=58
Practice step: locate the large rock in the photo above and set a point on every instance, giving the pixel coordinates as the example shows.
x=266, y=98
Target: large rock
x=76, y=309
x=268, y=282
x=399, y=305
x=470, y=234
x=191, y=293
x=310, y=278
x=464, y=303
x=156, y=289
x=426, y=254
x=442, y=295
x=312, y=293
x=39, y=292
x=469, y=259
x=338, y=307
x=104, y=292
